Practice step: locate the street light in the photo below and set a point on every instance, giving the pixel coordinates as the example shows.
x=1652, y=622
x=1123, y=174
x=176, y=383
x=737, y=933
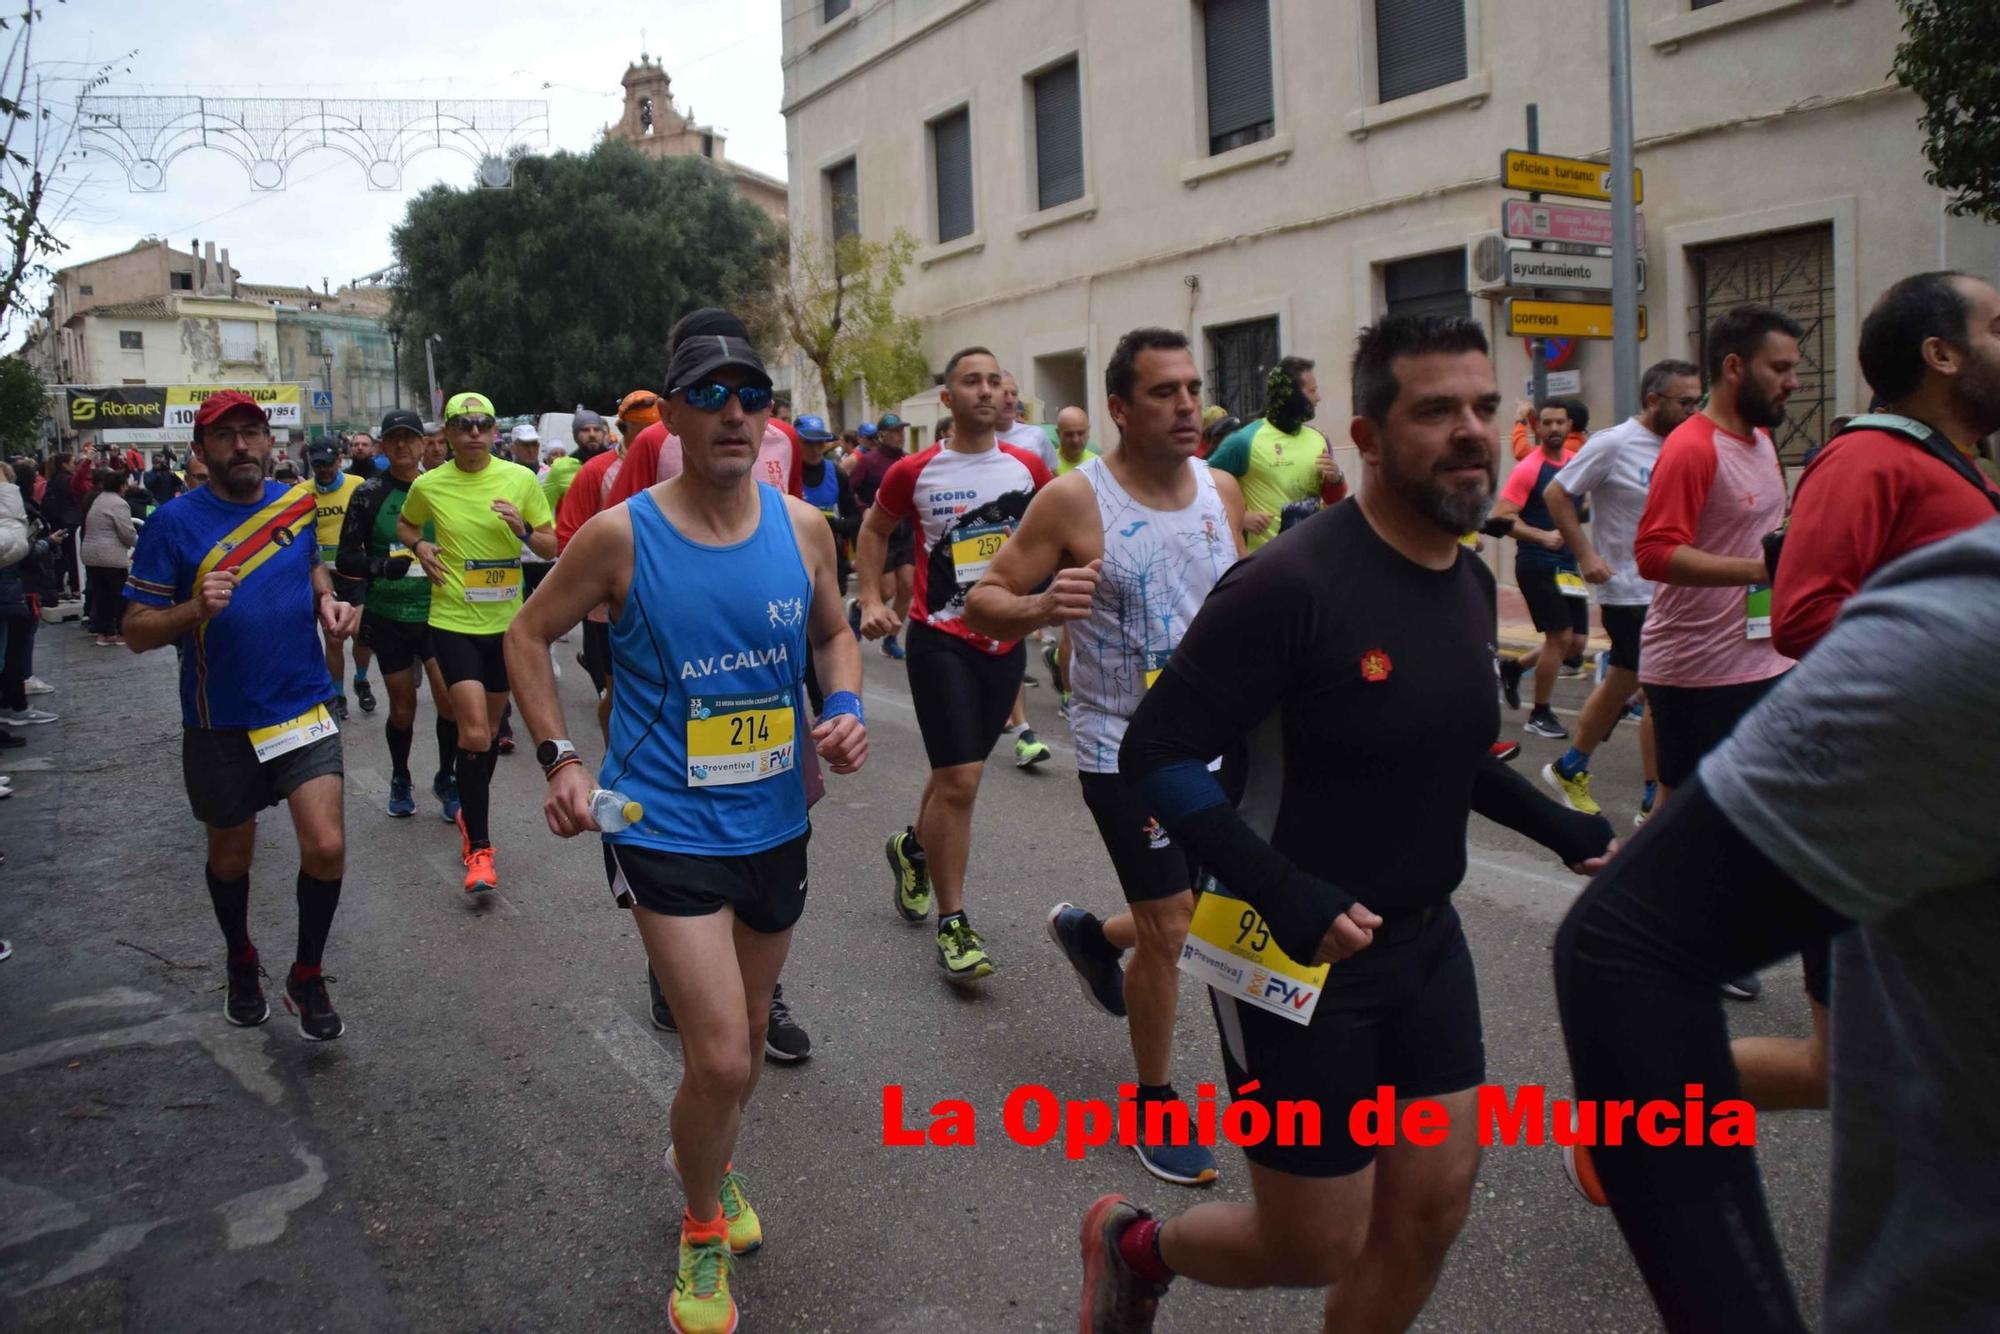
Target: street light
x=430, y=368
x=326, y=365
x=396, y=365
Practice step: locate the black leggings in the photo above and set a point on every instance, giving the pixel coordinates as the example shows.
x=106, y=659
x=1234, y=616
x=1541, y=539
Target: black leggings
x=107, y=599
x=17, y=629
x=1638, y=965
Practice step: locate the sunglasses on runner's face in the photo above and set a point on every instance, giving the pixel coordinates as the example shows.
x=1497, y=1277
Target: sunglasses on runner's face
x=472, y=423
x=711, y=396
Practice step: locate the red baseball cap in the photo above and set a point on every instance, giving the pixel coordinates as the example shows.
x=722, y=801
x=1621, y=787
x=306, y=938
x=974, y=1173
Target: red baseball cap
x=216, y=405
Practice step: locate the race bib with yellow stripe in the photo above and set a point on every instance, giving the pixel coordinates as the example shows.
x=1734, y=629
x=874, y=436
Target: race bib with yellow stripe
x=1155, y=664
x=973, y=550
x=493, y=580
x=292, y=734
x=740, y=738
x=1230, y=947
x=1571, y=585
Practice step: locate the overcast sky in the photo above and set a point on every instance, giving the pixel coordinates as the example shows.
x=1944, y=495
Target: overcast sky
x=721, y=54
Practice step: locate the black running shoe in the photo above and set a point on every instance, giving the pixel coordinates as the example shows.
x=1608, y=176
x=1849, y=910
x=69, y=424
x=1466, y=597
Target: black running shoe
x=338, y=706
x=365, y=694
x=1102, y=979
x=784, y=1040
x=663, y=1018
x=246, y=1006
x=1745, y=988
x=1510, y=682
x=306, y=997
x=505, y=742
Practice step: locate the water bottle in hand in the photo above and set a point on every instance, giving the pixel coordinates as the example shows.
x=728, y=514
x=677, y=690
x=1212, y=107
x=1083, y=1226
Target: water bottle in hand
x=612, y=811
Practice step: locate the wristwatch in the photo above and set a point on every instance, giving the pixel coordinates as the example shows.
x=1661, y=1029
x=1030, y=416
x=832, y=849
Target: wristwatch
x=550, y=754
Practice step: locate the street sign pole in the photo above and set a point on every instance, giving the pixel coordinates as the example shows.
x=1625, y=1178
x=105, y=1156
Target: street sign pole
x=1624, y=222
x=1540, y=364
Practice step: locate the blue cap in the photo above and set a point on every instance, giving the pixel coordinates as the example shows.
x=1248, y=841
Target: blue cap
x=812, y=428
x=866, y=430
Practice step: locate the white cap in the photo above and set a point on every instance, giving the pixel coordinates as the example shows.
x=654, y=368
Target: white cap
x=525, y=434
x=553, y=450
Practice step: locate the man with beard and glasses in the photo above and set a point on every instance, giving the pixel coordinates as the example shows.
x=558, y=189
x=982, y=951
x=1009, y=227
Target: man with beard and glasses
x=1353, y=661
x=1278, y=459
x=1706, y=654
x=231, y=575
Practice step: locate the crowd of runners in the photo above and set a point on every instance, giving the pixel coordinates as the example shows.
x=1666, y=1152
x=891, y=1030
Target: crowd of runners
x=1286, y=702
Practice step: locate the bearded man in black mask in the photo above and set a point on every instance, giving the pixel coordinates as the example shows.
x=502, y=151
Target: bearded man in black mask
x=1279, y=460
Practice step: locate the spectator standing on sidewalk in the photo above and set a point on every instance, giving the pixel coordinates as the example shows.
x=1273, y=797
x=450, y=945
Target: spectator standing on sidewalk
x=108, y=538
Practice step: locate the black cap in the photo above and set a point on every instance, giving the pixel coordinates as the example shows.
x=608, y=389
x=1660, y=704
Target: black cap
x=704, y=342
x=322, y=451
x=401, y=419
x=890, y=422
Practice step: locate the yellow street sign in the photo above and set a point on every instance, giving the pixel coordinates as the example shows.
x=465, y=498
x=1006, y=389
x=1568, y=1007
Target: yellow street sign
x=1563, y=319
x=1573, y=176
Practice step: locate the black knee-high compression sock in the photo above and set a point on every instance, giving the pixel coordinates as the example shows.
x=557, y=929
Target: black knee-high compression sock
x=399, y=750
x=447, y=734
x=317, y=901
x=475, y=778
x=232, y=912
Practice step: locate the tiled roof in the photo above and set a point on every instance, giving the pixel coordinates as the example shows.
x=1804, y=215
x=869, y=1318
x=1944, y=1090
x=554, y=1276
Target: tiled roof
x=152, y=308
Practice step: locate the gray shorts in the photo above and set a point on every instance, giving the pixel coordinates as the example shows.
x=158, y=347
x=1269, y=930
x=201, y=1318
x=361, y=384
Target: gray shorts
x=226, y=786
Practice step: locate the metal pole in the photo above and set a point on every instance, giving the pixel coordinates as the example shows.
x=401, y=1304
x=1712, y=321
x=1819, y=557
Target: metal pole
x=1624, y=222
x=395, y=371
x=430, y=369
x=1539, y=347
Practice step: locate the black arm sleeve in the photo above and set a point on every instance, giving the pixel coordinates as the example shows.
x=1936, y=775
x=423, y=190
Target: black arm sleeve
x=1175, y=731
x=353, y=567
x=1505, y=797
x=1638, y=964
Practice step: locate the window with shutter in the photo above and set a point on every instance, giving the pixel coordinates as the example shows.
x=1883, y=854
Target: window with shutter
x=1419, y=44
x=843, y=200
x=1239, y=357
x=1058, y=135
x=1427, y=285
x=951, y=150
x=833, y=9
x=131, y=340
x=1236, y=40
x=1794, y=272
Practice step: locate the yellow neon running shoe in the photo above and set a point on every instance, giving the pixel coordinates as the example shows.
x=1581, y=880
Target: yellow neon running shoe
x=746, y=1230
x=701, y=1303
x=1572, y=792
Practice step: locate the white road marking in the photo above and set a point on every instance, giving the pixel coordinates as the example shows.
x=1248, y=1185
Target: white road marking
x=242, y=1052
x=633, y=1046
x=112, y=998
x=106, y=1247
x=259, y=1217
x=26, y=1212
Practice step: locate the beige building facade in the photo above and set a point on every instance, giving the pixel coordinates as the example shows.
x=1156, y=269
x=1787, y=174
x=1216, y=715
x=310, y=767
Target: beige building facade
x=1270, y=175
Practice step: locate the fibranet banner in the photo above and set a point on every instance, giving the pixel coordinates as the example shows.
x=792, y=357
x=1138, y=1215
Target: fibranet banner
x=172, y=407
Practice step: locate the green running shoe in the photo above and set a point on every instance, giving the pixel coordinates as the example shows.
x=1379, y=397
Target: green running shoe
x=1029, y=750
x=962, y=954
x=746, y=1230
x=701, y=1303
x=913, y=880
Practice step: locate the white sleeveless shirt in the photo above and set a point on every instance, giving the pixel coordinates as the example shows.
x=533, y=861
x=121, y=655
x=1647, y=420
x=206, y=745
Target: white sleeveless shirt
x=1158, y=568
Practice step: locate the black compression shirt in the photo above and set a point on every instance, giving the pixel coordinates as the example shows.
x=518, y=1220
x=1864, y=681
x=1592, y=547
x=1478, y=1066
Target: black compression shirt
x=1361, y=685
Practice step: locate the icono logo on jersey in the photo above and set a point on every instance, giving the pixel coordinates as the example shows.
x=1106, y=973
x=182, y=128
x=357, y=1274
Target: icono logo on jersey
x=1375, y=665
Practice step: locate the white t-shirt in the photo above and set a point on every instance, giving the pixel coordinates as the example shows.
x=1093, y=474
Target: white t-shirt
x=1613, y=472
x=1033, y=439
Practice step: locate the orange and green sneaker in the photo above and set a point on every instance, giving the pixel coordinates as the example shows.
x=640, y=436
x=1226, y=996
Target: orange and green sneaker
x=746, y=1230
x=701, y=1303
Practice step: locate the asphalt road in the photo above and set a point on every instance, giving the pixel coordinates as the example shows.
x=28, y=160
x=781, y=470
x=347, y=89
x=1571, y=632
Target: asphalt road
x=482, y=1150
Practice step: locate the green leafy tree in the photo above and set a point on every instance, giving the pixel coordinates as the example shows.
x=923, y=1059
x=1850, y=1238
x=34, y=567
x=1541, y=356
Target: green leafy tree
x=561, y=290
x=24, y=406
x=837, y=304
x=1950, y=57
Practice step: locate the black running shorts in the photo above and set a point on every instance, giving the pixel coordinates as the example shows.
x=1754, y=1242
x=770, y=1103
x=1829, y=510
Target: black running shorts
x=1690, y=721
x=766, y=890
x=226, y=785
x=1548, y=606
x=398, y=645
x=1403, y=1012
x=1623, y=625
x=471, y=658
x=1150, y=865
x=597, y=653
x=962, y=695
x=902, y=547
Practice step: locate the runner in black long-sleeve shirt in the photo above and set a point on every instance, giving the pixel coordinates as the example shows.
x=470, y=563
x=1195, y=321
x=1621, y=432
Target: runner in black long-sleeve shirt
x=1353, y=657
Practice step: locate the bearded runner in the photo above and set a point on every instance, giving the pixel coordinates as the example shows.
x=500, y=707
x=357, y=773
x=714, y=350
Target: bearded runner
x=230, y=574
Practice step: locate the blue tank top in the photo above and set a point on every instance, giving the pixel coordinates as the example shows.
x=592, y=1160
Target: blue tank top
x=709, y=654
x=1535, y=513
x=824, y=497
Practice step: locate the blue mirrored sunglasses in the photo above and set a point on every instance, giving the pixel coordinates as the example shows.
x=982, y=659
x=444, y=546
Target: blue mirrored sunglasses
x=710, y=396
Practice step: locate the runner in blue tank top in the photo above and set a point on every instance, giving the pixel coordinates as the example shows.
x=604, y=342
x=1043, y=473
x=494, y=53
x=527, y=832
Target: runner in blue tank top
x=719, y=588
